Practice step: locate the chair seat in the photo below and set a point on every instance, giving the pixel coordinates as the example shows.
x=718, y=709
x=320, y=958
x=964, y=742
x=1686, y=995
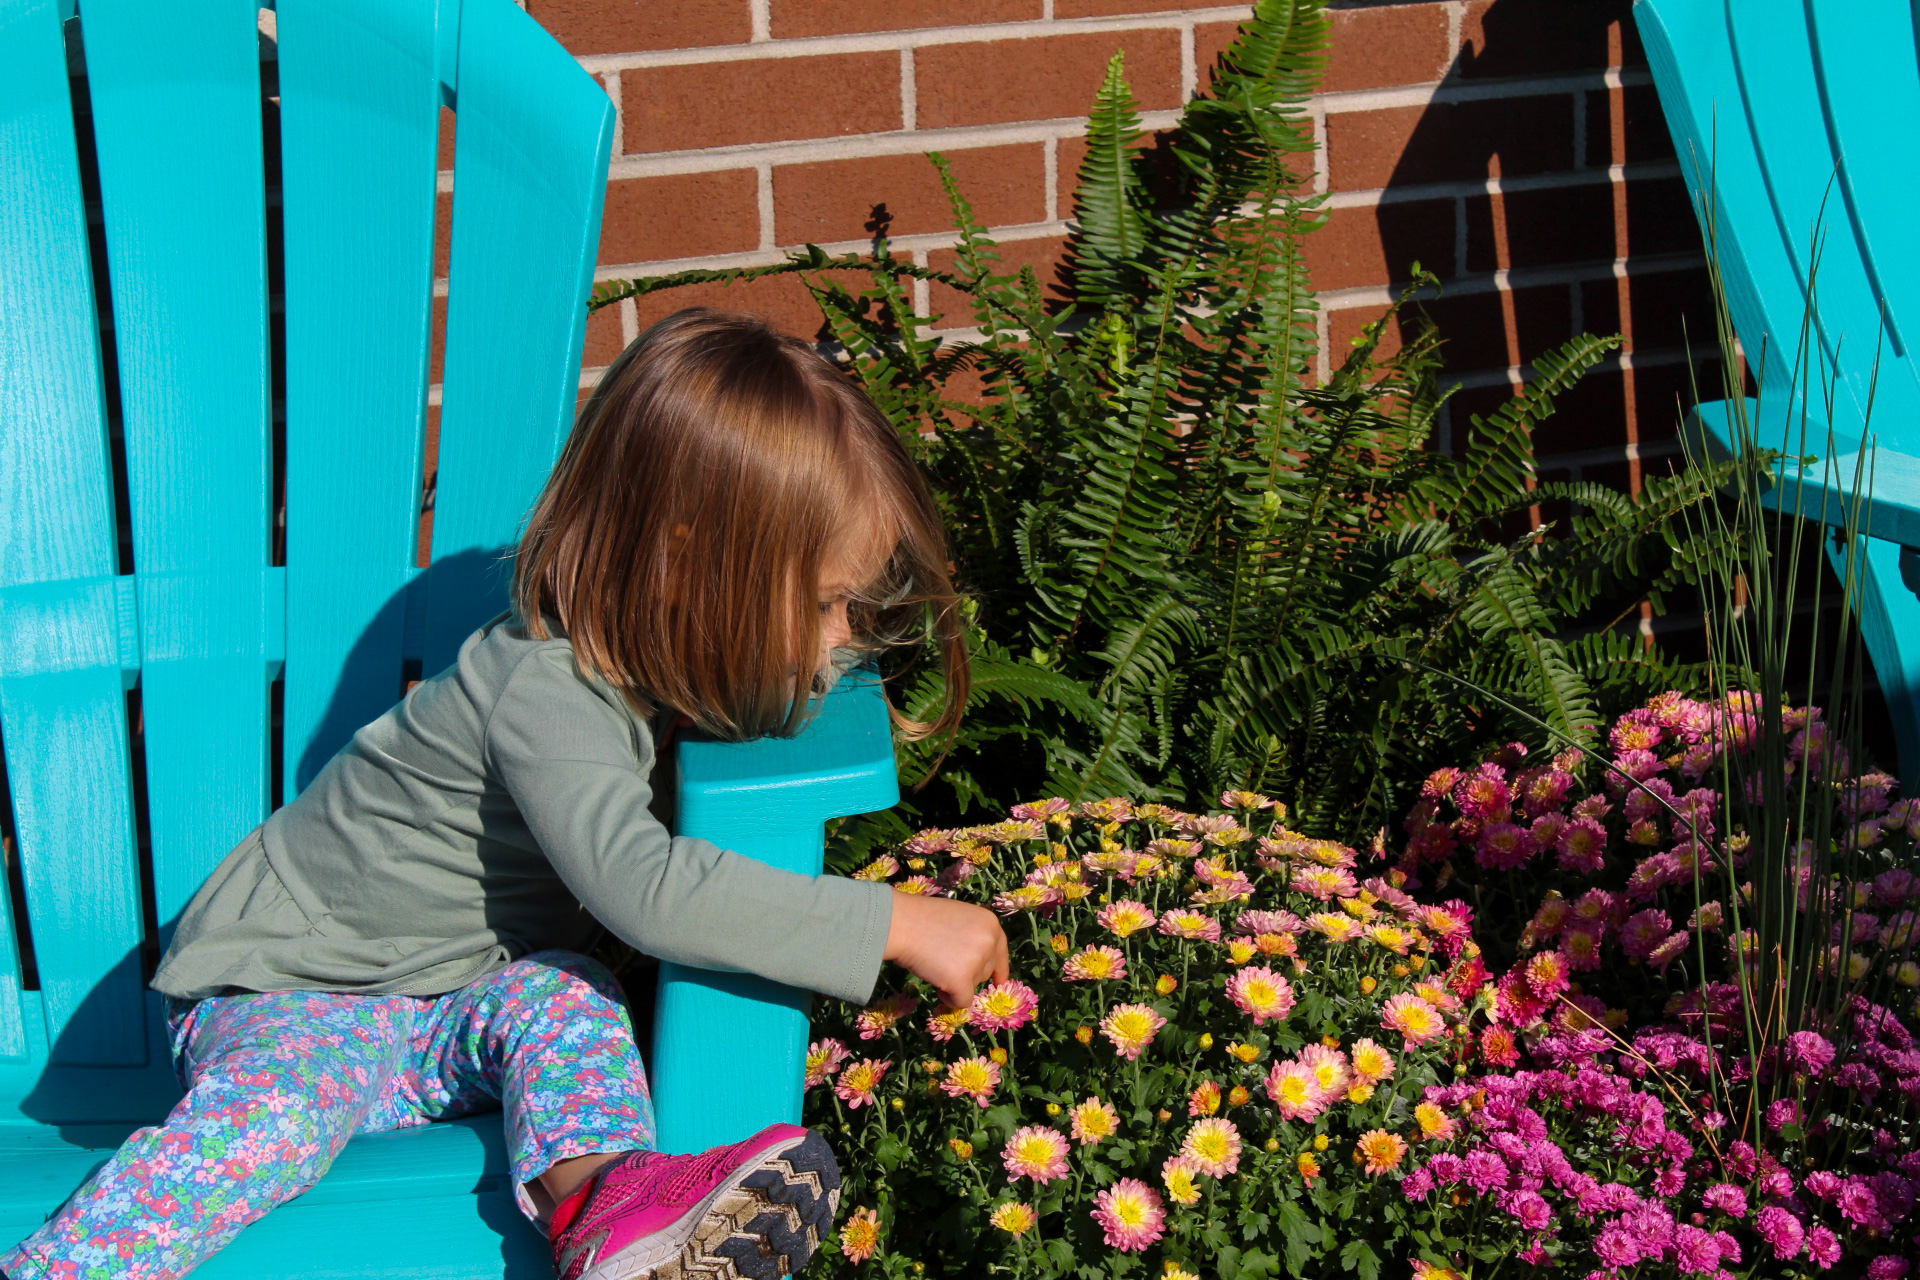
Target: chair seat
x=432, y=1203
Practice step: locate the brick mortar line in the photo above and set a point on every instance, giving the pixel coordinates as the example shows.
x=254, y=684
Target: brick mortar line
x=1447, y=93
x=901, y=245
x=1516, y=278
x=858, y=146
x=1660, y=357
x=916, y=37
x=1649, y=170
x=1607, y=453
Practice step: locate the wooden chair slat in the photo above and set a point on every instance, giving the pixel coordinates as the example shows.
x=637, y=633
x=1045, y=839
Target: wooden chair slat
x=62, y=696
x=1870, y=85
x=529, y=180
x=177, y=135
x=361, y=94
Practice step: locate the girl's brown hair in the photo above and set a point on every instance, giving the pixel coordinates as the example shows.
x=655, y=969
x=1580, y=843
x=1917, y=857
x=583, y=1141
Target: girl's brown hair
x=679, y=543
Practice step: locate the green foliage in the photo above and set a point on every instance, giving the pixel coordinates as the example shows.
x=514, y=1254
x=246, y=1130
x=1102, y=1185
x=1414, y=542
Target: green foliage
x=1198, y=564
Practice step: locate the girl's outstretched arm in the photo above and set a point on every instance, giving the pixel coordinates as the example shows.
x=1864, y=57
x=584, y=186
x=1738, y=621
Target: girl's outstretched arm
x=954, y=945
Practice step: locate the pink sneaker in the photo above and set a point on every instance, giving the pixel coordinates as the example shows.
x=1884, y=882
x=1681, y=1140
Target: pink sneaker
x=755, y=1210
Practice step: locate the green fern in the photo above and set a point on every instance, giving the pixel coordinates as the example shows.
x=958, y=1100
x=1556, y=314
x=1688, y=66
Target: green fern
x=1197, y=565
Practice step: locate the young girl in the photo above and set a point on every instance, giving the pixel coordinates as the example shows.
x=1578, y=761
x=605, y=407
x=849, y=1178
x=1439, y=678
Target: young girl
x=403, y=942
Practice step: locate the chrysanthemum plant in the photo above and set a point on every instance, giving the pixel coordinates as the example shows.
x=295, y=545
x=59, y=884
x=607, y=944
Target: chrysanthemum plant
x=1709, y=925
x=1210, y=1060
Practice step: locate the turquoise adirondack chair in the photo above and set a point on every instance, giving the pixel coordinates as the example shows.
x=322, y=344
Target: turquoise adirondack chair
x=158, y=669
x=1797, y=114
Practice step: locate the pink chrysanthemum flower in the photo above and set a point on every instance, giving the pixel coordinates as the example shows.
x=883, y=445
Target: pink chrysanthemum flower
x=1095, y=964
x=1292, y=1087
x=1547, y=974
x=1393, y=937
x=1257, y=922
x=925, y=886
x=1252, y=800
x=1131, y=1028
x=1125, y=917
x=1204, y=1100
x=1036, y=1152
x=1027, y=897
x=860, y=1234
x=823, y=1060
x=1130, y=1215
x=1039, y=810
x=1334, y=926
x=1194, y=925
x=1112, y=809
x=1331, y=1071
x=944, y=1023
x=878, y=1019
x=880, y=868
x=857, y=1082
x=1435, y=1124
x=1413, y=1018
x=1182, y=1179
x=1484, y=795
x=1502, y=847
x=974, y=1078
x=1213, y=1144
x=1004, y=1006
x=1094, y=1122
x=1260, y=993
x=1582, y=949
x=1324, y=883
x=1371, y=1062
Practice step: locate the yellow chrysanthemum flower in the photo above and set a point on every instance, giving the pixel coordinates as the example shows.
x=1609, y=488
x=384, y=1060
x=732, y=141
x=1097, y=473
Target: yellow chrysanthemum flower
x=1014, y=1218
x=1244, y=1052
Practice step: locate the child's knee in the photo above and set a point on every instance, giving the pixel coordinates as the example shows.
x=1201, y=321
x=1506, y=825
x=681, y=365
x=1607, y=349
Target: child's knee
x=547, y=975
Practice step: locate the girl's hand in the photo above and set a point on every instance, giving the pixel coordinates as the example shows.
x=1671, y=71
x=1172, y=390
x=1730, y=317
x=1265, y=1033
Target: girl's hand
x=954, y=945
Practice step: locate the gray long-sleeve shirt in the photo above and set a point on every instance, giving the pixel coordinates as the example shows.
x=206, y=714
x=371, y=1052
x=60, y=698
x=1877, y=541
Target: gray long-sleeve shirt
x=502, y=808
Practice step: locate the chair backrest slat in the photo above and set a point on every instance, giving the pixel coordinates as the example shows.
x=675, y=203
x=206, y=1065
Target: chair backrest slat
x=1772, y=51
x=529, y=178
x=1868, y=59
x=361, y=93
x=177, y=135
x=62, y=698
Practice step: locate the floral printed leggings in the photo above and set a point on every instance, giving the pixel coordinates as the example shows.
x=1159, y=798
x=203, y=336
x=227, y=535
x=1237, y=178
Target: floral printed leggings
x=277, y=1083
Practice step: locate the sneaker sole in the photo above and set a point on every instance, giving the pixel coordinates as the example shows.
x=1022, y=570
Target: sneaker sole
x=763, y=1225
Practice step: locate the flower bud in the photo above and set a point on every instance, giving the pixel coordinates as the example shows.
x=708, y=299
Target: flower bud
x=1367, y=984
x=1206, y=1037
x=1238, y=1096
x=1060, y=944
x=1273, y=1144
x=1053, y=1108
x=1319, y=1142
x=1400, y=971
x=932, y=1066
x=1167, y=984
x=1329, y=1042
x=1417, y=963
x=898, y=1104
x=1163, y=1115
x=1083, y=1034
x=961, y=1148
x=999, y=1055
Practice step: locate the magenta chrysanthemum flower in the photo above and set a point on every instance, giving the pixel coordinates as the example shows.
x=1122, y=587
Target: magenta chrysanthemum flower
x=1643, y=931
x=1130, y=1215
x=1548, y=974
x=1823, y=1247
x=1782, y=1232
x=1036, y=1152
x=1809, y=1051
x=1727, y=1198
x=1503, y=846
x=1004, y=1006
x=1095, y=964
x=1583, y=846
x=1261, y=993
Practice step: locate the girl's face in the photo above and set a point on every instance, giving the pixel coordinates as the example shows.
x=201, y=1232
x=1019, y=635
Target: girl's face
x=851, y=564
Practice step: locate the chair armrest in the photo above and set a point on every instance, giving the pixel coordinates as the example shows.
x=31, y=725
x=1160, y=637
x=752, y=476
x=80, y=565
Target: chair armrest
x=1889, y=480
x=729, y=1050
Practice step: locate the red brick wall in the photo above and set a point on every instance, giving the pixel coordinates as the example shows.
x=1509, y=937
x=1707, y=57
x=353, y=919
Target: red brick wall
x=1513, y=147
